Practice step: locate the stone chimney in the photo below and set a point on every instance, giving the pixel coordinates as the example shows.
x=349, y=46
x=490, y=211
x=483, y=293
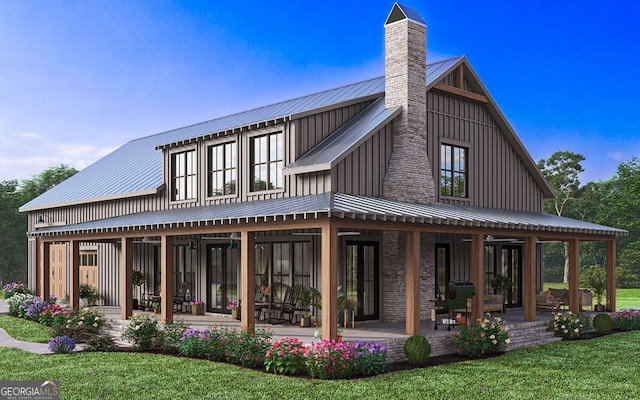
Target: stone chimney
x=409, y=177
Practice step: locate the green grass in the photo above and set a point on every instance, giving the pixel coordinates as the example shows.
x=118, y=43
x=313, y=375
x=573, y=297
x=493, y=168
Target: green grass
x=570, y=370
x=624, y=297
x=28, y=331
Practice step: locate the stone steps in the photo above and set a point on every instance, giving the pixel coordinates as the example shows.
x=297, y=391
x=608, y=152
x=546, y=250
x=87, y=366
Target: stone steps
x=530, y=334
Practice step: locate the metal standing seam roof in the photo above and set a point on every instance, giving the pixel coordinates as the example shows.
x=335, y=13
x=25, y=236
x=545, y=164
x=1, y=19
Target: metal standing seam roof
x=136, y=167
x=337, y=205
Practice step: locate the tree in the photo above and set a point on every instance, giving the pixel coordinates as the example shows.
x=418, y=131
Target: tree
x=561, y=171
x=47, y=179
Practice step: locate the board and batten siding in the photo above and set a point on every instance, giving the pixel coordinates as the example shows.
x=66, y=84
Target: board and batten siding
x=497, y=177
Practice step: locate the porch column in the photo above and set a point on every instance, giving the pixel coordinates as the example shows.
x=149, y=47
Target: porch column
x=43, y=254
x=530, y=279
x=247, y=279
x=574, y=275
x=611, y=273
x=74, y=274
x=329, y=266
x=126, y=291
x=477, y=275
x=413, y=284
x=166, y=277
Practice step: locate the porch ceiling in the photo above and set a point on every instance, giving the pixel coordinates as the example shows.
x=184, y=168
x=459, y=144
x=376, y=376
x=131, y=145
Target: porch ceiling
x=336, y=206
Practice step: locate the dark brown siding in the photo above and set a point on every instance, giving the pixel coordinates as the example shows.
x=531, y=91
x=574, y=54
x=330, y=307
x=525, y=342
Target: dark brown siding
x=497, y=177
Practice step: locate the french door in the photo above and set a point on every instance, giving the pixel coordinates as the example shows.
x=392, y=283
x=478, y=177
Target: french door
x=362, y=278
x=512, y=267
x=223, y=277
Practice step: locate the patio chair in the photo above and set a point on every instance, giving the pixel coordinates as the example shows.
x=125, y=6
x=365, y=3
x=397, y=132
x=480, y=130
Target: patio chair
x=286, y=308
x=179, y=297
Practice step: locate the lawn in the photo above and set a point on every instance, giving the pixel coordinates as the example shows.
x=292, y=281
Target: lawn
x=560, y=370
x=28, y=331
x=624, y=297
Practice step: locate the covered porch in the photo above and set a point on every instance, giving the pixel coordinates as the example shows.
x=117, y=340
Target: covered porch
x=327, y=216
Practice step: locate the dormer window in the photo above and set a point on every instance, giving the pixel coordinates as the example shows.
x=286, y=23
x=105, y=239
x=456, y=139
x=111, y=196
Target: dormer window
x=453, y=171
x=267, y=161
x=223, y=170
x=183, y=175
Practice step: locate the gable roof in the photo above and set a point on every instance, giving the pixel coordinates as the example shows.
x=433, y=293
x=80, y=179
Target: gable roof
x=338, y=205
x=135, y=169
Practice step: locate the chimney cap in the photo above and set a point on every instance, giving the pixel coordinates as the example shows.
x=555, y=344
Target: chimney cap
x=400, y=12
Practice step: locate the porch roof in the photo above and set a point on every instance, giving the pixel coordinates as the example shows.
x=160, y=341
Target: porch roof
x=335, y=205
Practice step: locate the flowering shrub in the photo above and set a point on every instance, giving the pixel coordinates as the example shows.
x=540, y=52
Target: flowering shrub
x=18, y=302
x=628, y=319
x=371, y=359
x=142, y=331
x=80, y=325
x=100, y=343
x=481, y=337
x=172, y=333
x=246, y=347
x=202, y=343
x=570, y=325
x=233, y=304
x=286, y=356
x=62, y=345
x=329, y=359
x=13, y=288
x=53, y=314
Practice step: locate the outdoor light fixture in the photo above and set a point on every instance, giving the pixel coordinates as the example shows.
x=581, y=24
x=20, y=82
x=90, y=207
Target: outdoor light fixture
x=191, y=246
x=41, y=219
x=233, y=244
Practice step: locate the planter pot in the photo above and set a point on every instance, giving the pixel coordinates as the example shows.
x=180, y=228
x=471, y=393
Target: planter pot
x=349, y=318
x=197, y=310
x=315, y=324
x=235, y=313
x=83, y=303
x=305, y=322
x=136, y=305
x=339, y=338
x=598, y=308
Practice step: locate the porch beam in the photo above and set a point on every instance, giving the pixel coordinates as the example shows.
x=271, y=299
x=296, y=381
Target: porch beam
x=477, y=275
x=574, y=275
x=74, y=274
x=329, y=273
x=413, y=284
x=126, y=291
x=529, y=279
x=166, y=277
x=43, y=279
x=247, y=279
x=611, y=274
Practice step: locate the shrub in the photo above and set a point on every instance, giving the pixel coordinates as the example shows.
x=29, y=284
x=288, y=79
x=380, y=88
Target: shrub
x=172, y=333
x=18, y=302
x=417, y=349
x=571, y=325
x=628, y=319
x=80, y=325
x=90, y=293
x=100, y=343
x=14, y=288
x=286, y=356
x=204, y=343
x=328, y=359
x=62, y=345
x=371, y=358
x=53, y=314
x=246, y=347
x=142, y=331
x=481, y=337
x=602, y=323
x=34, y=309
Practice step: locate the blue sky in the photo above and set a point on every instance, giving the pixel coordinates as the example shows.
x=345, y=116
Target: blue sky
x=79, y=79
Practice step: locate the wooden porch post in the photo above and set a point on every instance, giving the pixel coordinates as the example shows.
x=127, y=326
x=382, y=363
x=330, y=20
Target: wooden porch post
x=574, y=275
x=126, y=291
x=43, y=254
x=329, y=281
x=74, y=274
x=413, y=284
x=530, y=279
x=477, y=275
x=247, y=279
x=166, y=277
x=611, y=273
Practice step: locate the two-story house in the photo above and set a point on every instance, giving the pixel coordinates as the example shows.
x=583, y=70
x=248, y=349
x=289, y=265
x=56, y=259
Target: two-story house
x=388, y=188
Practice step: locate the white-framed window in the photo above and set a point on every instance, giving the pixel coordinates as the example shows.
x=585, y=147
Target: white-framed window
x=267, y=162
x=183, y=175
x=223, y=169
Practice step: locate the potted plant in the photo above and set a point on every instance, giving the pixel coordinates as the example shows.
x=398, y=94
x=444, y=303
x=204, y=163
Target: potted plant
x=156, y=307
x=349, y=311
x=317, y=301
x=501, y=283
x=88, y=295
x=339, y=333
x=137, y=280
x=304, y=298
x=234, y=305
x=595, y=279
x=197, y=308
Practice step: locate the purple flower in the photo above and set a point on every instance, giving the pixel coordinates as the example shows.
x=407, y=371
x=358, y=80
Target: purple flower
x=62, y=345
